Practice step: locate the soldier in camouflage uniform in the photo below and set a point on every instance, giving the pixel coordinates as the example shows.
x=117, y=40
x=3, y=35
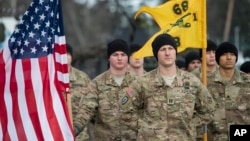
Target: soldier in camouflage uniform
x=78, y=88
x=211, y=67
x=115, y=116
x=231, y=92
x=171, y=101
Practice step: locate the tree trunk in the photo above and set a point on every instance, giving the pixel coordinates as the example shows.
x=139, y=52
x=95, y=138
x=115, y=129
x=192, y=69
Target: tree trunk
x=228, y=20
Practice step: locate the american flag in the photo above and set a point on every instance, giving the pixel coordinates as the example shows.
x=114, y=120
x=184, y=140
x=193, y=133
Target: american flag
x=33, y=77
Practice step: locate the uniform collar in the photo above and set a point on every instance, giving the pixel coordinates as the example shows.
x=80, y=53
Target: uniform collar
x=109, y=80
x=159, y=81
x=237, y=78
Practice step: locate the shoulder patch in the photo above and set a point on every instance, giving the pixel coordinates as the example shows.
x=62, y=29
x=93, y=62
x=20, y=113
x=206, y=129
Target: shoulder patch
x=129, y=92
x=124, y=100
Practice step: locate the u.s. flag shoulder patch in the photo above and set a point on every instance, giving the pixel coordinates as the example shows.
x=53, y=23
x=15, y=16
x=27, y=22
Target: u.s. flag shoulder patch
x=130, y=92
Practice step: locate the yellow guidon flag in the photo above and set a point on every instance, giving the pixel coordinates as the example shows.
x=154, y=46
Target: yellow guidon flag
x=185, y=20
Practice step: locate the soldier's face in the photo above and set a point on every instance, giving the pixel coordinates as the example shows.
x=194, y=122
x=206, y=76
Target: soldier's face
x=193, y=65
x=227, y=60
x=136, y=62
x=118, y=60
x=166, y=55
x=210, y=56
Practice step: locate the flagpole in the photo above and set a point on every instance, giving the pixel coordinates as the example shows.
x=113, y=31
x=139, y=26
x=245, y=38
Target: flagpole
x=204, y=81
x=69, y=106
x=67, y=91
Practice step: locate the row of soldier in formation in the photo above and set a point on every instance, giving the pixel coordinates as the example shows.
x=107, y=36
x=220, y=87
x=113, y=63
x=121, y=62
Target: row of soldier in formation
x=125, y=103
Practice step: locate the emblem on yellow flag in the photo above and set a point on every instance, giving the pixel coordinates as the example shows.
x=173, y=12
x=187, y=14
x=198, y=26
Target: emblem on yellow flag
x=185, y=20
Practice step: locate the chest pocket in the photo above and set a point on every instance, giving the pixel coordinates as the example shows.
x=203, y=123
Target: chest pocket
x=188, y=105
x=155, y=102
x=217, y=91
x=107, y=99
x=181, y=103
x=241, y=99
x=173, y=103
x=128, y=112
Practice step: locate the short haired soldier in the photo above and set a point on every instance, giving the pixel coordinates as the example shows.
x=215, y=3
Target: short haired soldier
x=231, y=92
x=171, y=101
x=115, y=116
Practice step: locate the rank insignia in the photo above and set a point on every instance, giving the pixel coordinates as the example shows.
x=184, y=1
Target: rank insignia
x=170, y=101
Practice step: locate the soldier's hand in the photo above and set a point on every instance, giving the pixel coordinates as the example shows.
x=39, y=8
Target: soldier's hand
x=77, y=129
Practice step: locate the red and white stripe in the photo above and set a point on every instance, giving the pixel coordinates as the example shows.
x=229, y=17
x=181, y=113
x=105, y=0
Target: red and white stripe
x=32, y=105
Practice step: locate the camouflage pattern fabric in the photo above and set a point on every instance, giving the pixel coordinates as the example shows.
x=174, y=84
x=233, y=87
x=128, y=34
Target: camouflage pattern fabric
x=232, y=103
x=131, y=73
x=79, y=88
x=198, y=73
x=171, y=113
x=115, y=116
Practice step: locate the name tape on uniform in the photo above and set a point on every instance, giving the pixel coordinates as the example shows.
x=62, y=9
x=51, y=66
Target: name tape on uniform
x=239, y=132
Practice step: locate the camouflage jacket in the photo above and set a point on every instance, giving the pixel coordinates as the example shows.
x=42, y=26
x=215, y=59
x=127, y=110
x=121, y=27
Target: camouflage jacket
x=78, y=88
x=198, y=72
x=115, y=116
x=170, y=113
x=232, y=102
